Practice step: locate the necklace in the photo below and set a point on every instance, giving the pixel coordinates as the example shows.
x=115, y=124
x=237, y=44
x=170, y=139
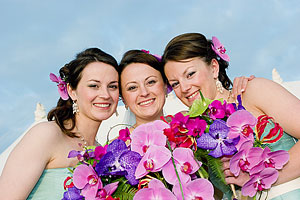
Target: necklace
x=84, y=145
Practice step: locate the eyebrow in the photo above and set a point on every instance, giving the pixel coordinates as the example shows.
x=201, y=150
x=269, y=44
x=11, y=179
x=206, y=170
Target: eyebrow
x=145, y=79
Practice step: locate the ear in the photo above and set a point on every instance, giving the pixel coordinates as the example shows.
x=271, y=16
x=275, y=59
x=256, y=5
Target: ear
x=71, y=92
x=215, y=68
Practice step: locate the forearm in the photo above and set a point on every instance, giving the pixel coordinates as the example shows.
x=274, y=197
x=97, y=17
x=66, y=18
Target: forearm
x=291, y=170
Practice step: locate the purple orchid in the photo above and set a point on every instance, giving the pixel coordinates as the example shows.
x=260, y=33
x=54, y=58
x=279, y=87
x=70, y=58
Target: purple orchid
x=241, y=124
x=216, y=110
x=217, y=140
x=86, y=179
x=62, y=86
x=246, y=158
x=153, y=160
x=197, y=189
x=155, y=190
x=148, y=134
x=185, y=165
x=72, y=193
x=240, y=105
x=260, y=181
x=196, y=127
x=118, y=160
x=268, y=159
x=82, y=155
x=219, y=49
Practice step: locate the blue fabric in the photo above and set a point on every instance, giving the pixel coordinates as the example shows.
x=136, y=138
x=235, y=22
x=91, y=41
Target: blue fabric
x=50, y=185
x=286, y=142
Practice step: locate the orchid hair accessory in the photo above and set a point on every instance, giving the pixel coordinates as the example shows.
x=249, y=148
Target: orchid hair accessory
x=62, y=86
x=220, y=50
x=156, y=56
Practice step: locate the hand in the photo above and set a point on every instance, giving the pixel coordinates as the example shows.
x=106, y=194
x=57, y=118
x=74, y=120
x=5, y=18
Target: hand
x=240, y=180
x=240, y=84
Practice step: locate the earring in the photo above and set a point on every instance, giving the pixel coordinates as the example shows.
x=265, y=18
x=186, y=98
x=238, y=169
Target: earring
x=219, y=86
x=126, y=107
x=117, y=114
x=75, y=107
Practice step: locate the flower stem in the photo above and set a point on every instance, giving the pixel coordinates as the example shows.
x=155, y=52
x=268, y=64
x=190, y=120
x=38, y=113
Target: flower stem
x=233, y=191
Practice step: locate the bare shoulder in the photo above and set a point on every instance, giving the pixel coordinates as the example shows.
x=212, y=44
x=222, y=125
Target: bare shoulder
x=45, y=130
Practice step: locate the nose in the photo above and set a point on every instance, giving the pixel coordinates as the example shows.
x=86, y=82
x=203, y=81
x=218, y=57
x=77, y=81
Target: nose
x=185, y=86
x=144, y=91
x=104, y=93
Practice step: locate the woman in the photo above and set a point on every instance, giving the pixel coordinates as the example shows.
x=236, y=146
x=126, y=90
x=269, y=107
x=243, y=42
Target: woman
x=37, y=166
x=193, y=63
x=144, y=87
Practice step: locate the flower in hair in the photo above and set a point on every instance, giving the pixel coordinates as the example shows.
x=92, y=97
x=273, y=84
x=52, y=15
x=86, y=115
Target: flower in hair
x=219, y=49
x=62, y=86
x=156, y=56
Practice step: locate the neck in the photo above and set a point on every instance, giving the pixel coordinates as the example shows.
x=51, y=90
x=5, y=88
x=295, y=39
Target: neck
x=140, y=121
x=88, y=129
x=225, y=96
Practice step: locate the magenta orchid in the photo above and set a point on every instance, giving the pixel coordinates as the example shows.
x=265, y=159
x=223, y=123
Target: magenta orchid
x=196, y=127
x=185, y=165
x=246, y=158
x=153, y=160
x=260, y=181
x=62, y=86
x=199, y=189
x=148, y=134
x=86, y=179
x=219, y=49
x=229, y=108
x=241, y=124
x=106, y=191
x=276, y=159
x=216, y=110
x=155, y=190
x=124, y=134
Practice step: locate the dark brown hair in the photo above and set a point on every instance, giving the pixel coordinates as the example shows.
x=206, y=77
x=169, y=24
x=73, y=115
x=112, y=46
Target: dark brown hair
x=191, y=45
x=71, y=73
x=139, y=56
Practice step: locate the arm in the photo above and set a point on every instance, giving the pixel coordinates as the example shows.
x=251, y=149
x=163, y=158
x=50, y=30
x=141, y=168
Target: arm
x=240, y=84
x=26, y=163
x=275, y=101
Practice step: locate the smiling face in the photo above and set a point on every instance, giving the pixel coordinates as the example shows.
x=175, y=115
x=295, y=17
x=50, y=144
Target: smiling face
x=190, y=76
x=143, y=90
x=97, y=92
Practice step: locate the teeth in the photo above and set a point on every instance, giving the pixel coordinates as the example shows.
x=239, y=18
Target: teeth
x=146, y=102
x=189, y=97
x=102, y=105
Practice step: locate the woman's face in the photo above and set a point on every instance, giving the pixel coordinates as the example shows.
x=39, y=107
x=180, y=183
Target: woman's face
x=97, y=92
x=190, y=76
x=143, y=91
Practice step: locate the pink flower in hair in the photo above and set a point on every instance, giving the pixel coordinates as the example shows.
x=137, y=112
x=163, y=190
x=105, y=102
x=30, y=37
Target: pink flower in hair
x=62, y=86
x=219, y=49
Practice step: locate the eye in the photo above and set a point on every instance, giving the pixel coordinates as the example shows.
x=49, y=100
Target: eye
x=93, y=86
x=113, y=86
x=151, y=82
x=130, y=88
x=190, y=74
x=175, y=84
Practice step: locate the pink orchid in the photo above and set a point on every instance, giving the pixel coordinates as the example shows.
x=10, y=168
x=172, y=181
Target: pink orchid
x=219, y=49
x=107, y=191
x=86, y=179
x=62, y=86
x=260, y=181
x=155, y=190
x=200, y=189
x=153, y=160
x=241, y=124
x=148, y=134
x=276, y=159
x=185, y=165
x=246, y=158
x=216, y=110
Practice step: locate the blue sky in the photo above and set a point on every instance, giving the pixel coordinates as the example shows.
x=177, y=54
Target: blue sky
x=39, y=37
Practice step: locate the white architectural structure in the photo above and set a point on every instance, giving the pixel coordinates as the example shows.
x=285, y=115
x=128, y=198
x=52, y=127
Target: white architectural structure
x=172, y=106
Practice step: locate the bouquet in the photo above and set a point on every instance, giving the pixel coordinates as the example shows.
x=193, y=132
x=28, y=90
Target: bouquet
x=178, y=157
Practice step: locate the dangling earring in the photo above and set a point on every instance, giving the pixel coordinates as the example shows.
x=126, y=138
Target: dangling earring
x=75, y=107
x=126, y=107
x=117, y=114
x=219, y=86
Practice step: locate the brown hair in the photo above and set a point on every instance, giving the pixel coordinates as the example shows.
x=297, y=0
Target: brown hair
x=191, y=45
x=71, y=73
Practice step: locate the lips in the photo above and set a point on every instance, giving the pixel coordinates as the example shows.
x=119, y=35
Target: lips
x=102, y=105
x=147, y=102
x=192, y=96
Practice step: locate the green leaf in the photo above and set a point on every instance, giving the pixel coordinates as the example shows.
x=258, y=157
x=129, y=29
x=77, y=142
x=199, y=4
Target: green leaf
x=124, y=191
x=199, y=106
